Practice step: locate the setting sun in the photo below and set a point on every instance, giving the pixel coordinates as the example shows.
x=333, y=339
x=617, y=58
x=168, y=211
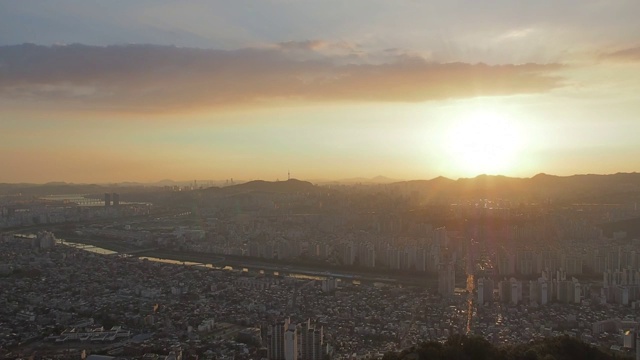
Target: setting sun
x=483, y=142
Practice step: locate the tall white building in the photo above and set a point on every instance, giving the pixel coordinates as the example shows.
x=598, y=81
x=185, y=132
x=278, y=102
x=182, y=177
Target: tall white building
x=577, y=291
x=516, y=291
x=291, y=343
x=539, y=291
x=510, y=291
x=276, y=340
x=348, y=253
x=544, y=292
x=568, y=291
x=485, y=291
x=446, y=279
x=288, y=341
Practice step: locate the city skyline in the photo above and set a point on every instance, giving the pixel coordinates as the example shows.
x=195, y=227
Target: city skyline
x=144, y=91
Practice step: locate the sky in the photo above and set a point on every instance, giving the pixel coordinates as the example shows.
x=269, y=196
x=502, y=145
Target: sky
x=114, y=91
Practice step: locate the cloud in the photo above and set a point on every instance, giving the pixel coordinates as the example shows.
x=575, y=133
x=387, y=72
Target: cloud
x=516, y=34
x=629, y=54
x=302, y=45
x=168, y=78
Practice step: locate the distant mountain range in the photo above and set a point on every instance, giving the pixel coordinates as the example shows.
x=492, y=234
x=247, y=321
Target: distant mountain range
x=621, y=187
x=597, y=188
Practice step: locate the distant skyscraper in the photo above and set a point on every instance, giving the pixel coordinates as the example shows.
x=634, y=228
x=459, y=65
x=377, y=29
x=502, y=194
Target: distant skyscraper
x=116, y=199
x=107, y=199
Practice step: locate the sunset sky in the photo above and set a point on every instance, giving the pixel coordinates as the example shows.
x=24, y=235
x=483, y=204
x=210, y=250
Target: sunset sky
x=111, y=91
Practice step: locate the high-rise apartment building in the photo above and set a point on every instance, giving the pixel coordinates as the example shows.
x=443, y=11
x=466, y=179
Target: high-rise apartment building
x=539, y=291
x=276, y=340
x=510, y=291
x=446, y=279
x=311, y=341
x=291, y=343
x=485, y=291
x=288, y=341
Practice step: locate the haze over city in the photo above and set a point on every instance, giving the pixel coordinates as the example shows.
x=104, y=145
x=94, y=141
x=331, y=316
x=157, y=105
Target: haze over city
x=319, y=180
x=148, y=90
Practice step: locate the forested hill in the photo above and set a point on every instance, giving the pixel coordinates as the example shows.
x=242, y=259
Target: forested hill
x=460, y=347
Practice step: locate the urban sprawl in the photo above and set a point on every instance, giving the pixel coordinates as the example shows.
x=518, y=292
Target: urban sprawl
x=319, y=273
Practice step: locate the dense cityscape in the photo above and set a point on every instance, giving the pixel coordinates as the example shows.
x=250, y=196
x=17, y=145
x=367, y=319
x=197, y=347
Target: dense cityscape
x=319, y=180
x=291, y=270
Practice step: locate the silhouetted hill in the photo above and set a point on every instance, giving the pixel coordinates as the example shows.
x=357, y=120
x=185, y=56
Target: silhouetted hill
x=542, y=187
x=461, y=347
x=288, y=186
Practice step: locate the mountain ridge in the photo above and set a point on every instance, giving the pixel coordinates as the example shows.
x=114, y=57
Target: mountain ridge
x=540, y=185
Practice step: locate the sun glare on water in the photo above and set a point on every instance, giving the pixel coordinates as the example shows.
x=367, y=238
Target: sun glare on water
x=484, y=142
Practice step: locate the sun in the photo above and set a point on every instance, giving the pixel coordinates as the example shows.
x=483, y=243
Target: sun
x=483, y=142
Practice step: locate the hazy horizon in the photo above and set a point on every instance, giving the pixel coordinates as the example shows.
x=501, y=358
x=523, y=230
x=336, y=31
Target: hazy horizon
x=141, y=91
x=379, y=179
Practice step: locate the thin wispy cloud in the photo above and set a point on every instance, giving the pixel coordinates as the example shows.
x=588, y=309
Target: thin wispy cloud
x=629, y=54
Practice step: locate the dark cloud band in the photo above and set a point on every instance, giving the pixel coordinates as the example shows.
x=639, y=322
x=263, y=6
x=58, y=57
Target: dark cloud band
x=161, y=78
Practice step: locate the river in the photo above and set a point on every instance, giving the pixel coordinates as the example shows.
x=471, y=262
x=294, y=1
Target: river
x=303, y=275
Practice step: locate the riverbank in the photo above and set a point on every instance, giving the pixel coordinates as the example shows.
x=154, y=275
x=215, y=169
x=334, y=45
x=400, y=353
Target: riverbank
x=256, y=264
x=286, y=269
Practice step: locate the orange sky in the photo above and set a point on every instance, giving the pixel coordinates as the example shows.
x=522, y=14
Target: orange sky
x=506, y=88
